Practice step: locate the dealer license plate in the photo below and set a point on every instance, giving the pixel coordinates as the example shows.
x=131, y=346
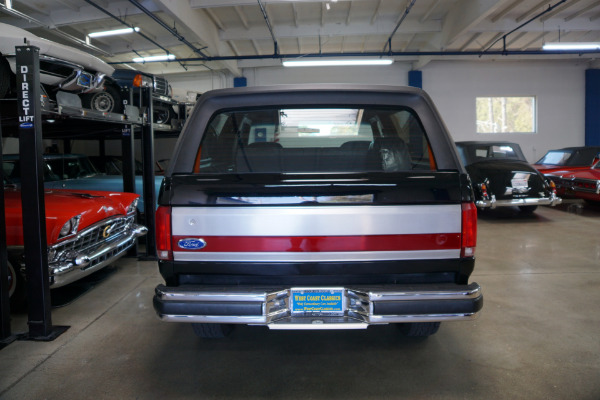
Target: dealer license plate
x=318, y=301
x=518, y=183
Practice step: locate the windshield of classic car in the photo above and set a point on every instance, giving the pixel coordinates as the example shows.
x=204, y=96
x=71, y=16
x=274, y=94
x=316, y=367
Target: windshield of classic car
x=12, y=172
x=555, y=158
x=314, y=140
x=71, y=167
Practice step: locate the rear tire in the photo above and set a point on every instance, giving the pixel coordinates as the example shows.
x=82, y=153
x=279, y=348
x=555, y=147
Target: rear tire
x=527, y=209
x=212, y=331
x=419, y=329
x=16, y=289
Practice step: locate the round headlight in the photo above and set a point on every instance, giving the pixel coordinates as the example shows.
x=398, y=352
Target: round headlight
x=132, y=207
x=70, y=227
x=66, y=229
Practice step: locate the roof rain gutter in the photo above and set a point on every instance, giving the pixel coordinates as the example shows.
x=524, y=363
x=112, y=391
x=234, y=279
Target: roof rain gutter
x=168, y=28
x=56, y=31
x=264, y=13
x=389, y=41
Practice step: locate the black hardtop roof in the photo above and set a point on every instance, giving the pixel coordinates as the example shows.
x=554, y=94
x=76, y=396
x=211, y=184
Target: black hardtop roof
x=335, y=87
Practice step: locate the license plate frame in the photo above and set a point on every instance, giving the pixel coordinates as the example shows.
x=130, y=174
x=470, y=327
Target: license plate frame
x=318, y=301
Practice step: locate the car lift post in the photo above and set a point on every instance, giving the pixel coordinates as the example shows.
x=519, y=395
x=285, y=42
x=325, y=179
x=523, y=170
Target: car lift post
x=148, y=175
x=127, y=150
x=32, y=196
x=6, y=336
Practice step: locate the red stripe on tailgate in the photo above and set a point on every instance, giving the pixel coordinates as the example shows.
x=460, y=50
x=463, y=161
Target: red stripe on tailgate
x=435, y=241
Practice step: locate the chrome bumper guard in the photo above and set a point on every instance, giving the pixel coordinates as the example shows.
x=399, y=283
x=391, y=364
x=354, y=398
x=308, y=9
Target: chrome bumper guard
x=78, y=264
x=362, y=306
x=492, y=203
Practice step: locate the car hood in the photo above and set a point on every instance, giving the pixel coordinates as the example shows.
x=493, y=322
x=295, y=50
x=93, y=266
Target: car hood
x=62, y=205
x=11, y=36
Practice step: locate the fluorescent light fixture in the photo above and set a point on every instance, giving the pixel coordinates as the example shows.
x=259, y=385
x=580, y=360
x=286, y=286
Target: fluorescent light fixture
x=328, y=63
x=164, y=57
x=572, y=46
x=123, y=31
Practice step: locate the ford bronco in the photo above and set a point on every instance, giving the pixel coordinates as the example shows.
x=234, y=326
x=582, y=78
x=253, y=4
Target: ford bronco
x=316, y=207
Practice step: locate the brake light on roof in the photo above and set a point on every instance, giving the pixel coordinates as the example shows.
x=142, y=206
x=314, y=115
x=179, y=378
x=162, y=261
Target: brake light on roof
x=163, y=233
x=468, y=230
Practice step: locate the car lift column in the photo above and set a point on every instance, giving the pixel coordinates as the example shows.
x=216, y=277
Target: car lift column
x=127, y=150
x=148, y=175
x=32, y=195
x=5, y=333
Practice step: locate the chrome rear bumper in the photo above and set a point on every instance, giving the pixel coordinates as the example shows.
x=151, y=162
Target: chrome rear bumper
x=492, y=203
x=363, y=306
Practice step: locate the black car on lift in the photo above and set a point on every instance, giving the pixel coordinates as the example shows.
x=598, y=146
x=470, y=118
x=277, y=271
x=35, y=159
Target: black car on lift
x=124, y=81
x=502, y=177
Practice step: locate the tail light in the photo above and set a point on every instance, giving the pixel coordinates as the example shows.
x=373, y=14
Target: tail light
x=163, y=233
x=552, y=186
x=137, y=80
x=469, y=230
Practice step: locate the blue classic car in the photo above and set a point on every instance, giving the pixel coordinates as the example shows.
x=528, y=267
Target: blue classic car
x=75, y=171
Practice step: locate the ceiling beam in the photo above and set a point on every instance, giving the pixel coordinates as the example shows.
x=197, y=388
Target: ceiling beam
x=506, y=10
x=330, y=29
x=233, y=3
x=557, y=10
x=295, y=13
x=469, y=41
x=465, y=15
x=582, y=11
x=87, y=13
x=430, y=11
x=376, y=12
x=201, y=25
x=241, y=16
x=539, y=7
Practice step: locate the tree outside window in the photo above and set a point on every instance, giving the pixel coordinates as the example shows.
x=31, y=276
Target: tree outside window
x=506, y=115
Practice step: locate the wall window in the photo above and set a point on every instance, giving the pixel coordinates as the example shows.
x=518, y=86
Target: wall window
x=506, y=115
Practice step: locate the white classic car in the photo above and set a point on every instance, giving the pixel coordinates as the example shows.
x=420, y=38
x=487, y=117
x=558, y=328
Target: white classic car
x=61, y=67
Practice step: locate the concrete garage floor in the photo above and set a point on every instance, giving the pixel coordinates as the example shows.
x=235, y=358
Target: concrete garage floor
x=538, y=336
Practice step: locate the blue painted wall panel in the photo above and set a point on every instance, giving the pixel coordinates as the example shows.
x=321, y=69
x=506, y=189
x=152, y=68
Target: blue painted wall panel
x=415, y=79
x=592, y=107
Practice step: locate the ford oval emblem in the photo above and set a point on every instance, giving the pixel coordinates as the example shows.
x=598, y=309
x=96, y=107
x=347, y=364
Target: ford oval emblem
x=26, y=125
x=192, y=244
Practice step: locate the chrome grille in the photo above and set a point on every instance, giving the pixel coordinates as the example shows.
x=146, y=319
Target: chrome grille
x=161, y=86
x=90, y=238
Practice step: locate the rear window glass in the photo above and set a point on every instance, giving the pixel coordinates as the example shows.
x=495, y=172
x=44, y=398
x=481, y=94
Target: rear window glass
x=313, y=140
x=472, y=153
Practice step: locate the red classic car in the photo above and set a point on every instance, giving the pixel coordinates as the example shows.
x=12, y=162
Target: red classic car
x=582, y=184
x=569, y=158
x=85, y=230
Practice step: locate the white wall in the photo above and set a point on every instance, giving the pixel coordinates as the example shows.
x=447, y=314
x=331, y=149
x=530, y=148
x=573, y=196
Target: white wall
x=559, y=87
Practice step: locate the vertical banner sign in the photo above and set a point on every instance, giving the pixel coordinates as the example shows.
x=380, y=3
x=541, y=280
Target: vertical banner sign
x=32, y=191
